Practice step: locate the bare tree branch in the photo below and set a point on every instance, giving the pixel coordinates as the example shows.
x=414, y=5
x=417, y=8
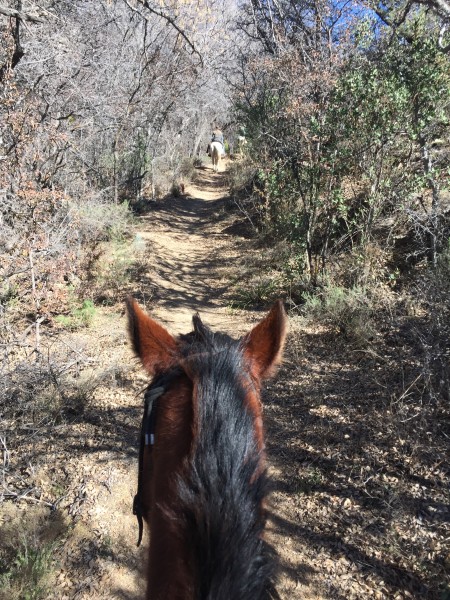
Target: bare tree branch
x=440, y=6
x=171, y=21
x=441, y=40
x=22, y=16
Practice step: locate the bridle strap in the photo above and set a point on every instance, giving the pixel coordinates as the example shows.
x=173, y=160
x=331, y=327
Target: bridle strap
x=152, y=393
x=157, y=388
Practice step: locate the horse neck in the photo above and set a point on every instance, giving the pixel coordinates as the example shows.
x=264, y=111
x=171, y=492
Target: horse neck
x=224, y=489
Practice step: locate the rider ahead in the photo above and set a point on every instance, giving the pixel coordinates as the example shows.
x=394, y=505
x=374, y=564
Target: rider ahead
x=217, y=136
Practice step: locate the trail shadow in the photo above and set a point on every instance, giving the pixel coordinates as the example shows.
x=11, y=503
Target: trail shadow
x=351, y=469
x=188, y=259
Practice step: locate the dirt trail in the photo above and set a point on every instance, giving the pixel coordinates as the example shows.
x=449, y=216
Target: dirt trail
x=187, y=260
x=194, y=256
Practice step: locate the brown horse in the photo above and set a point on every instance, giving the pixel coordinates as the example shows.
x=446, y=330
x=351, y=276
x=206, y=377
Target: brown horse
x=202, y=476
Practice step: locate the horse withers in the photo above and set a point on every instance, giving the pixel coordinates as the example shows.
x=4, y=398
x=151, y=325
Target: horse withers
x=202, y=470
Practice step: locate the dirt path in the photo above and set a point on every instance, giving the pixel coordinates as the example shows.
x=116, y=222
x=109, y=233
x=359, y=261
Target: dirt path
x=194, y=259
x=191, y=256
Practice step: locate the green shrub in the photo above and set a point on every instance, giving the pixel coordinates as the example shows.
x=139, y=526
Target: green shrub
x=8, y=293
x=78, y=317
x=115, y=269
x=27, y=573
x=308, y=480
x=259, y=292
x=349, y=311
x=240, y=175
x=113, y=274
x=102, y=221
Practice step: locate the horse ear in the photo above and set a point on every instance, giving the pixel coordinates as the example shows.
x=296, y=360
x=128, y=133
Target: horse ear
x=151, y=342
x=263, y=346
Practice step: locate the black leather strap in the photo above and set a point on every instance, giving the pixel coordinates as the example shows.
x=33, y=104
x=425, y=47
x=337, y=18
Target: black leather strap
x=148, y=424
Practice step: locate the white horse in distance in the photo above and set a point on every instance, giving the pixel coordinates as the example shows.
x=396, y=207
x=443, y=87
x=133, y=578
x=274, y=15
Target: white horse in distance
x=216, y=150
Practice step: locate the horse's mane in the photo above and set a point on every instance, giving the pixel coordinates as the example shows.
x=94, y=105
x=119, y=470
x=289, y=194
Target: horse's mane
x=225, y=483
